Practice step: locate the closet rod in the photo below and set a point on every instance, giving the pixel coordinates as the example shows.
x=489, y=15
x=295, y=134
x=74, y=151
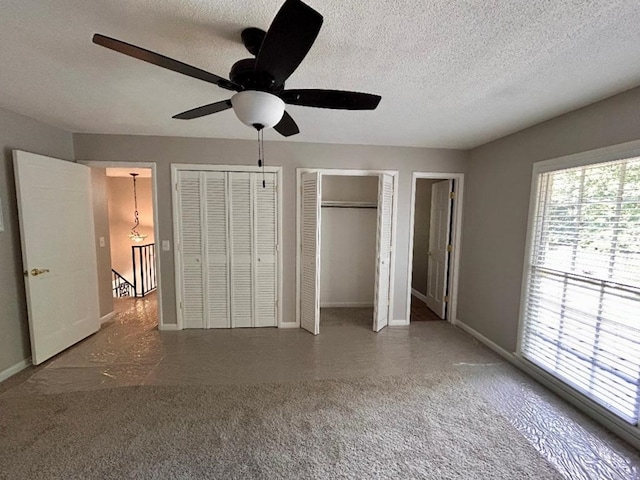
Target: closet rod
x=350, y=206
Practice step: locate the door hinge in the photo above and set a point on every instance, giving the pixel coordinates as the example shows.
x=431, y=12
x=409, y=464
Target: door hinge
x=176, y=187
x=446, y=299
x=449, y=248
x=277, y=247
x=452, y=195
x=180, y=305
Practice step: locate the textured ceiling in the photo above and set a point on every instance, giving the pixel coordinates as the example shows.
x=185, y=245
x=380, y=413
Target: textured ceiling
x=451, y=74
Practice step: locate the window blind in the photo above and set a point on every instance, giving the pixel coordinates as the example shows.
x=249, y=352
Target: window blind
x=582, y=300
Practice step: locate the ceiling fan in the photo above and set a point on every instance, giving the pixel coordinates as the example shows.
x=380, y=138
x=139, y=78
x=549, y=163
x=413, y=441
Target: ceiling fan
x=260, y=82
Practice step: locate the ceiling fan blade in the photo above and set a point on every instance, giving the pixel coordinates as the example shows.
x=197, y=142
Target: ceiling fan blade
x=287, y=126
x=337, y=99
x=288, y=40
x=162, y=61
x=204, y=110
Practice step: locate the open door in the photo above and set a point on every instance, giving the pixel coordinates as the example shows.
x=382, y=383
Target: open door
x=439, y=233
x=383, y=253
x=310, y=258
x=58, y=252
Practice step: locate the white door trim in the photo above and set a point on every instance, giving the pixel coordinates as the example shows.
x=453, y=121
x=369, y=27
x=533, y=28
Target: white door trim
x=456, y=231
x=345, y=172
x=156, y=224
x=178, y=167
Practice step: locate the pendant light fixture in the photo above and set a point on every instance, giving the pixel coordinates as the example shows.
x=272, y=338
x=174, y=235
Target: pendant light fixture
x=135, y=235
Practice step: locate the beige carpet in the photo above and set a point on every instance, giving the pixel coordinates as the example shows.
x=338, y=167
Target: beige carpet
x=394, y=427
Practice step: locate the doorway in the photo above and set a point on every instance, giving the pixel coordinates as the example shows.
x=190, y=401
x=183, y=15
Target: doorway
x=345, y=256
x=127, y=242
x=436, y=202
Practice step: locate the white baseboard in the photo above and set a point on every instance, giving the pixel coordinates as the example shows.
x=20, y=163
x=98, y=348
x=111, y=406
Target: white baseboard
x=346, y=305
x=419, y=295
x=482, y=339
x=398, y=322
x=9, y=372
x=589, y=407
x=168, y=327
x=107, y=317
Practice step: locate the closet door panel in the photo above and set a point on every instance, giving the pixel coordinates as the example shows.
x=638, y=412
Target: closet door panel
x=266, y=244
x=241, y=187
x=310, y=258
x=217, y=250
x=191, y=246
x=383, y=257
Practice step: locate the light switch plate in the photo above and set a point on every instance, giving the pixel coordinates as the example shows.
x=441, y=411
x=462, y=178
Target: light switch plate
x=166, y=245
x=102, y=242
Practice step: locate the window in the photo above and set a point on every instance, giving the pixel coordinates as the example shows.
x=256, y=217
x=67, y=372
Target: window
x=581, y=312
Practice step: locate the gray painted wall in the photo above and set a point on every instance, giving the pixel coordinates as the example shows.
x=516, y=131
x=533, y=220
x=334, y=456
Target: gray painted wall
x=101, y=227
x=18, y=132
x=496, y=203
x=290, y=155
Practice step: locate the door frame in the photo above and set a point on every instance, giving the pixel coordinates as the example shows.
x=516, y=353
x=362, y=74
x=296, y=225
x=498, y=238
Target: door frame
x=456, y=231
x=346, y=173
x=176, y=168
x=156, y=223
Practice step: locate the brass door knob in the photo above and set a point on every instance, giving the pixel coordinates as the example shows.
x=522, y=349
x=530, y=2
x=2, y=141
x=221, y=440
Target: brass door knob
x=36, y=271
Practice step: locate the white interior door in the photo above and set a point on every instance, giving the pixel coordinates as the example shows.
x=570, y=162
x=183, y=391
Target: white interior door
x=439, y=230
x=383, y=253
x=190, y=248
x=216, y=265
x=58, y=252
x=310, y=258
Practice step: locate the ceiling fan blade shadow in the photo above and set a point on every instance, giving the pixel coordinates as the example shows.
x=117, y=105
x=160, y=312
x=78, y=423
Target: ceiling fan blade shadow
x=288, y=40
x=162, y=61
x=335, y=99
x=204, y=110
x=287, y=126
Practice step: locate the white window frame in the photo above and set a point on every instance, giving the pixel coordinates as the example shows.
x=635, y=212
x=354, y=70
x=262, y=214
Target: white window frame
x=176, y=168
x=617, y=152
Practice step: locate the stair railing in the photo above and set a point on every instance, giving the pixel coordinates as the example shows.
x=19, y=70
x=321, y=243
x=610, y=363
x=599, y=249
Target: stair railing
x=121, y=286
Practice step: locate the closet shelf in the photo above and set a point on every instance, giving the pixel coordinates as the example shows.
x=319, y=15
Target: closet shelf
x=341, y=204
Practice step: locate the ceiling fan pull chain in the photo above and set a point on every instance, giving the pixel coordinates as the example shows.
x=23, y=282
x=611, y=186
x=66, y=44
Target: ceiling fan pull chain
x=259, y=153
x=264, y=184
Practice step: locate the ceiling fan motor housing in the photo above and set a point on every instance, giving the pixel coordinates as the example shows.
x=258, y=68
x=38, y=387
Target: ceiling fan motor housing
x=244, y=74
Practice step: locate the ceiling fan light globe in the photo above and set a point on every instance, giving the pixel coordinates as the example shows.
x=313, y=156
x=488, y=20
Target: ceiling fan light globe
x=253, y=108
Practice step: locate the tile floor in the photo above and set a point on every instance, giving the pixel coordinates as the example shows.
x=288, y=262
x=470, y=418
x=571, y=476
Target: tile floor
x=129, y=350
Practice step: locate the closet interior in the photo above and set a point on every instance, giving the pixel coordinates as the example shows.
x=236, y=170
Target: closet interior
x=345, y=244
x=348, y=245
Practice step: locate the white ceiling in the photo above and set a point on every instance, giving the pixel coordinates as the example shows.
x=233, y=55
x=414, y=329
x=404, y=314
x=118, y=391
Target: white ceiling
x=451, y=74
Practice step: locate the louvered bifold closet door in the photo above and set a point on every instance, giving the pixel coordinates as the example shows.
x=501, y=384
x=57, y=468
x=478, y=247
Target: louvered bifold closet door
x=217, y=251
x=383, y=257
x=240, y=187
x=190, y=190
x=310, y=264
x=266, y=246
